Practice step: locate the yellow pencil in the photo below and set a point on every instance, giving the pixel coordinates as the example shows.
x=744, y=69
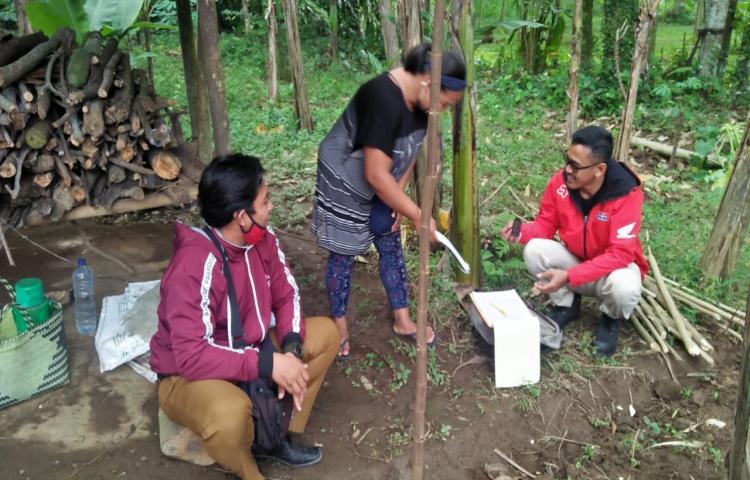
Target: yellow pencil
x=499, y=309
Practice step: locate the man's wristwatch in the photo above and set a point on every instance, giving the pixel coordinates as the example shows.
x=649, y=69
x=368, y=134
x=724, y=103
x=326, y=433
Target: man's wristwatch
x=295, y=348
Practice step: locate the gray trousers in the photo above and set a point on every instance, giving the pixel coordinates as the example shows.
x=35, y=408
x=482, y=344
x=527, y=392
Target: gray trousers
x=619, y=291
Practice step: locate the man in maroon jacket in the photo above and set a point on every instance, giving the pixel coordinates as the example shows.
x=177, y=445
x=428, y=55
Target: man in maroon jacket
x=194, y=351
x=594, y=205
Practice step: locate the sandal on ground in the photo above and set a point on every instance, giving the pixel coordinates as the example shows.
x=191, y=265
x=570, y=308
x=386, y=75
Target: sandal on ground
x=343, y=357
x=412, y=337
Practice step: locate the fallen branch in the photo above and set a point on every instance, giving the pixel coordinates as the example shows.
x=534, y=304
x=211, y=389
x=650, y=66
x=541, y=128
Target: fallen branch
x=514, y=464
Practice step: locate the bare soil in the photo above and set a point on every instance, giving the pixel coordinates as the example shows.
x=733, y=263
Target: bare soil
x=575, y=423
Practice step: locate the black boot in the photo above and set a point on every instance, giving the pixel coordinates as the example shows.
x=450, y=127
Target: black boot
x=564, y=315
x=293, y=454
x=606, y=335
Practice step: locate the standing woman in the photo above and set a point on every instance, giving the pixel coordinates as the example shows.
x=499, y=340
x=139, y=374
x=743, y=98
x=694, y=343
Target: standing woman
x=364, y=164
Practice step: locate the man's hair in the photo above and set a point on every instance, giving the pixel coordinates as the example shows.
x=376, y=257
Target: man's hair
x=416, y=61
x=229, y=183
x=598, y=139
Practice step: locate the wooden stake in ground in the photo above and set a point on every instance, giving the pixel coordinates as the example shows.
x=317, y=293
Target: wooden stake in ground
x=739, y=464
x=301, y=104
x=575, y=63
x=428, y=195
x=645, y=23
x=724, y=244
x=210, y=55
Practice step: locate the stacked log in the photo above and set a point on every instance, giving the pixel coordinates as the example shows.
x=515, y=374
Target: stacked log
x=79, y=126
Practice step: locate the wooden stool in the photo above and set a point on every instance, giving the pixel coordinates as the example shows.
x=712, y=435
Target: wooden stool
x=179, y=442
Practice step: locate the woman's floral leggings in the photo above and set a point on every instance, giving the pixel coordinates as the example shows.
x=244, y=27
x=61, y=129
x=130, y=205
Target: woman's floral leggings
x=392, y=266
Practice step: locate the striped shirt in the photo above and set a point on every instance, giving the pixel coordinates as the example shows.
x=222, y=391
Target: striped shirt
x=376, y=117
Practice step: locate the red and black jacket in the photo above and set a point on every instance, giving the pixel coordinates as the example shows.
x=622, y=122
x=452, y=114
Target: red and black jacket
x=601, y=231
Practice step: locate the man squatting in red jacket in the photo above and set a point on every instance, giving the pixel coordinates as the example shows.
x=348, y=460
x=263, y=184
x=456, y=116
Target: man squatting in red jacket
x=192, y=350
x=594, y=204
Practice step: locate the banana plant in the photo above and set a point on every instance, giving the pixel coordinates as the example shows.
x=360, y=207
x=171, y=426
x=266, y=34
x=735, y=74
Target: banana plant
x=109, y=17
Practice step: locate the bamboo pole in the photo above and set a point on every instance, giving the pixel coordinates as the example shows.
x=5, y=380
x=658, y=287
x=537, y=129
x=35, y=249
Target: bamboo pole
x=644, y=333
x=428, y=195
x=690, y=345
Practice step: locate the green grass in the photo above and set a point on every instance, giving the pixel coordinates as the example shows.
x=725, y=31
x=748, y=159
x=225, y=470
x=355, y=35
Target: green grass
x=517, y=140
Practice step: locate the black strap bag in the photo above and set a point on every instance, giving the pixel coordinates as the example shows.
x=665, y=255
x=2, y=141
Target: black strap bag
x=271, y=416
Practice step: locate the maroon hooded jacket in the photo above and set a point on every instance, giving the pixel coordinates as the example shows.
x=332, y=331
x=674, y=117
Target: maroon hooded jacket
x=192, y=339
x=602, y=233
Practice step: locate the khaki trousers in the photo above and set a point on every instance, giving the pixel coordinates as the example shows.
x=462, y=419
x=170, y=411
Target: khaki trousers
x=221, y=413
x=619, y=291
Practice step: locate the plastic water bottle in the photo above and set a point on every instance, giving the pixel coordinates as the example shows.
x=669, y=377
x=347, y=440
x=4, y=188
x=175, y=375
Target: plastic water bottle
x=85, y=304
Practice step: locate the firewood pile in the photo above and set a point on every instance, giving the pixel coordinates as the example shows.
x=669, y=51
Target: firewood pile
x=79, y=126
x=657, y=316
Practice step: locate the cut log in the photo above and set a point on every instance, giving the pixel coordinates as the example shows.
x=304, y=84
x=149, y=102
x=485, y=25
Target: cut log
x=62, y=201
x=4, y=120
x=159, y=136
x=153, y=182
x=666, y=151
x=119, y=108
x=108, y=75
x=26, y=94
x=63, y=171
x=7, y=105
x=165, y=164
x=6, y=141
x=93, y=119
x=128, y=189
x=19, y=68
x=93, y=46
x=43, y=163
x=8, y=167
x=38, y=134
x=20, y=156
x=16, y=47
x=43, y=101
x=114, y=160
x=43, y=180
x=115, y=173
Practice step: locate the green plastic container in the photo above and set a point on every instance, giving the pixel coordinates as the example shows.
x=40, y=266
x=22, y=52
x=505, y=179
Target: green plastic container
x=30, y=296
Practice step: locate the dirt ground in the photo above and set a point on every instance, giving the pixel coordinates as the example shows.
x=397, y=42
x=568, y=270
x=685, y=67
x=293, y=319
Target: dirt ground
x=575, y=423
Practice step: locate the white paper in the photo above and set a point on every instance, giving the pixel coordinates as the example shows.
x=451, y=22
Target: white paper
x=447, y=243
x=500, y=304
x=124, y=334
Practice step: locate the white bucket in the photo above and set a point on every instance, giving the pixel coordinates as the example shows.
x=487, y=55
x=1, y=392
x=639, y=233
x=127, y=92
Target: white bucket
x=503, y=320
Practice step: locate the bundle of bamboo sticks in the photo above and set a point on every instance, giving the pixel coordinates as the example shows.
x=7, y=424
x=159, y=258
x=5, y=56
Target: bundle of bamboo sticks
x=657, y=315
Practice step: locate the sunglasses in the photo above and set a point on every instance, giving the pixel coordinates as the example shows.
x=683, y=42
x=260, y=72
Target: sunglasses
x=575, y=166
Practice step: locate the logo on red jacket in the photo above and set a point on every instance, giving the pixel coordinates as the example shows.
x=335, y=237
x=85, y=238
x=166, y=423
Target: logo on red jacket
x=562, y=191
x=602, y=217
x=626, y=232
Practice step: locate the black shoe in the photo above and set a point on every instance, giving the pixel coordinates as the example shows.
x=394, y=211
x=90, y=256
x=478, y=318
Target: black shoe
x=606, y=335
x=293, y=454
x=564, y=315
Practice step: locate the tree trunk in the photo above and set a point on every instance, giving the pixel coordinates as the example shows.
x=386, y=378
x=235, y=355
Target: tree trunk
x=646, y=21
x=390, y=38
x=726, y=38
x=210, y=55
x=200, y=117
x=411, y=23
x=742, y=68
x=739, y=463
x=575, y=62
x=301, y=104
x=465, y=225
x=246, y=16
x=24, y=27
x=587, y=35
x=433, y=153
x=713, y=29
x=273, y=69
x=333, y=26
x=617, y=13
x=724, y=244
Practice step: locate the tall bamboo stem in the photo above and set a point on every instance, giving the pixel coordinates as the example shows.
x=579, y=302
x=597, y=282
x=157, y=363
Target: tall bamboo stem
x=428, y=195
